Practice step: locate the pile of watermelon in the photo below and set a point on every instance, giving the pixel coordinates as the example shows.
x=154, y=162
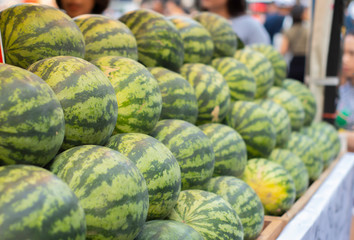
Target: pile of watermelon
x=148, y=127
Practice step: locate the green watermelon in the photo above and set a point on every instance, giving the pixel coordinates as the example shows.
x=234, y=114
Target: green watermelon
x=137, y=91
x=31, y=32
x=244, y=201
x=167, y=230
x=272, y=183
x=333, y=136
x=35, y=204
x=275, y=58
x=260, y=67
x=159, y=41
x=110, y=188
x=229, y=149
x=86, y=95
x=31, y=118
x=254, y=126
x=192, y=149
x=291, y=104
x=212, y=92
x=178, y=96
x=106, y=37
x=294, y=166
x=158, y=166
x=197, y=41
x=238, y=77
x=208, y=214
x=224, y=37
x=306, y=149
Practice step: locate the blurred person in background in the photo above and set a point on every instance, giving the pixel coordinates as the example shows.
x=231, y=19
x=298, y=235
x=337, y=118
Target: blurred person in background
x=349, y=17
x=165, y=7
x=75, y=8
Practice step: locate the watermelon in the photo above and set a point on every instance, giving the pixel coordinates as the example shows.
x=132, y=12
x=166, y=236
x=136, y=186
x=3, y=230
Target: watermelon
x=260, y=67
x=229, y=149
x=305, y=96
x=333, y=136
x=254, y=126
x=208, y=214
x=291, y=104
x=158, y=166
x=224, y=37
x=243, y=200
x=212, y=92
x=106, y=37
x=31, y=32
x=197, y=42
x=238, y=77
x=178, y=96
x=294, y=166
x=110, y=188
x=86, y=95
x=275, y=58
x=272, y=183
x=306, y=149
x=159, y=41
x=167, y=230
x=137, y=92
x=192, y=149
x=35, y=204
x=31, y=118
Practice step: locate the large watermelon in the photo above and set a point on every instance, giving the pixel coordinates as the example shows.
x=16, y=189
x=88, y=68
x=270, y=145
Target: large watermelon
x=238, y=77
x=31, y=118
x=137, y=91
x=333, y=136
x=110, y=188
x=244, y=201
x=208, y=214
x=192, y=149
x=197, y=41
x=255, y=127
x=272, y=183
x=159, y=41
x=178, y=96
x=229, y=149
x=35, y=204
x=87, y=98
x=31, y=32
x=213, y=94
x=158, y=166
x=106, y=37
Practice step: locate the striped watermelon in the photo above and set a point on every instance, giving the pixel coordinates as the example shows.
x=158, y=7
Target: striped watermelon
x=178, y=96
x=275, y=58
x=87, y=98
x=333, y=136
x=280, y=119
x=224, y=37
x=229, y=149
x=238, y=77
x=291, y=104
x=31, y=32
x=213, y=94
x=31, y=118
x=110, y=188
x=168, y=230
x=255, y=127
x=106, y=37
x=192, y=149
x=305, y=96
x=272, y=183
x=197, y=41
x=208, y=214
x=261, y=68
x=159, y=41
x=294, y=166
x=158, y=166
x=244, y=201
x=306, y=149
x=137, y=91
